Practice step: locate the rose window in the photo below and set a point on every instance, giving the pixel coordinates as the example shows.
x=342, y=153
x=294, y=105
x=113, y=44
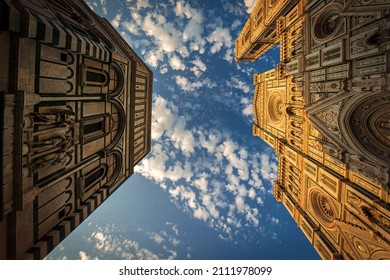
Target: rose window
x=323, y=207
x=326, y=207
x=330, y=24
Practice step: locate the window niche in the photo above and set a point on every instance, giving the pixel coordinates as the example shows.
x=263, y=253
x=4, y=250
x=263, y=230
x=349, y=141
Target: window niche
x=94, y=127
x=89, y=182
x=93, y=77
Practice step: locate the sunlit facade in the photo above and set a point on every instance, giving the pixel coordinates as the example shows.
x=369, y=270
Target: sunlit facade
x=325, y=109
x=76, y=119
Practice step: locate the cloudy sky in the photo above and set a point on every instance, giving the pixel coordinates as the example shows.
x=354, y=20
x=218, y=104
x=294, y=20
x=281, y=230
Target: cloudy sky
x=205, y=190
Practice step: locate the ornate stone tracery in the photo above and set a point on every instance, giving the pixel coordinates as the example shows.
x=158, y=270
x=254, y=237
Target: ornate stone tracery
x=275, y=108
x=328, y=23
x=51, y=139
x=333, y=72
x=323, y=206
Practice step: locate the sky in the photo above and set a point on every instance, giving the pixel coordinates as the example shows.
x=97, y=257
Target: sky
x=205, y=189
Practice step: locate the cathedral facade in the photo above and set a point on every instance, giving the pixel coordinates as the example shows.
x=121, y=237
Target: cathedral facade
x=325, y=109
x=76, y=119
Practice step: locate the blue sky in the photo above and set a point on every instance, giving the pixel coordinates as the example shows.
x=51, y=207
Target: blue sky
x=205, y=190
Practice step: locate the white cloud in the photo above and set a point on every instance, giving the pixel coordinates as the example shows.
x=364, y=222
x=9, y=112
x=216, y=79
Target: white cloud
x=208, y=202
x=183, y=138
x=252, y=193
x=240, y=203
x=187, y=85
x=84, y=256
x=201, y=214
x=153, y=58
x=251, y=216
x=130, y=26
x=140, y=4
x=219, y=38
x=117, y=20
x=183, y=51
x=273, y=220
x=209, y=141
x=198, y=68
x=228, y=184
x=110, y=243
x=248, y=107
x=164, y=33
x=163, y=69
x=238, y=83
x=176, y=63
x=175, y=242
x=236, y=23
x=201, y=184
x=250, y=4
x=229, y=55
x=193, y=31
x=156, y=237
x=269, y=168
x=103, y=4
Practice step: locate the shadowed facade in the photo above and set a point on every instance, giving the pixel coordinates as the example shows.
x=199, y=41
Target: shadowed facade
x=76, y=119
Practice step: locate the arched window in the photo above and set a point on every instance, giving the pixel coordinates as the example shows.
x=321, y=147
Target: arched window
x=94, y=127
x=90, y=182
x=94, y=77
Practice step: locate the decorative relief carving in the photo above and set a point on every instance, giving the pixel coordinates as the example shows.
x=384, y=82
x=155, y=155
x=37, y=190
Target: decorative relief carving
x=329, y=117
x=360, y=243
x=376, y=217
x=368, y=169
x=371, y=213
x=334, y=86
x=367, y=83
x=50, y=139
x=369, y=40
x=363, y=3
x=333, y=150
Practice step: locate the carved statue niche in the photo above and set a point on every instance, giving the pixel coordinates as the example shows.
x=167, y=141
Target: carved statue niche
x=298, y=80
x=295, y=134
x=294, y=111
x=296, y=126
x=56, y=116
x=51, y=141
x=296, y=143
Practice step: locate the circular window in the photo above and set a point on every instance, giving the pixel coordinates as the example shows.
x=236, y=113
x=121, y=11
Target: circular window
x=275, y=108
x=328, y=23
x=326, y=207
x=323, y=207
